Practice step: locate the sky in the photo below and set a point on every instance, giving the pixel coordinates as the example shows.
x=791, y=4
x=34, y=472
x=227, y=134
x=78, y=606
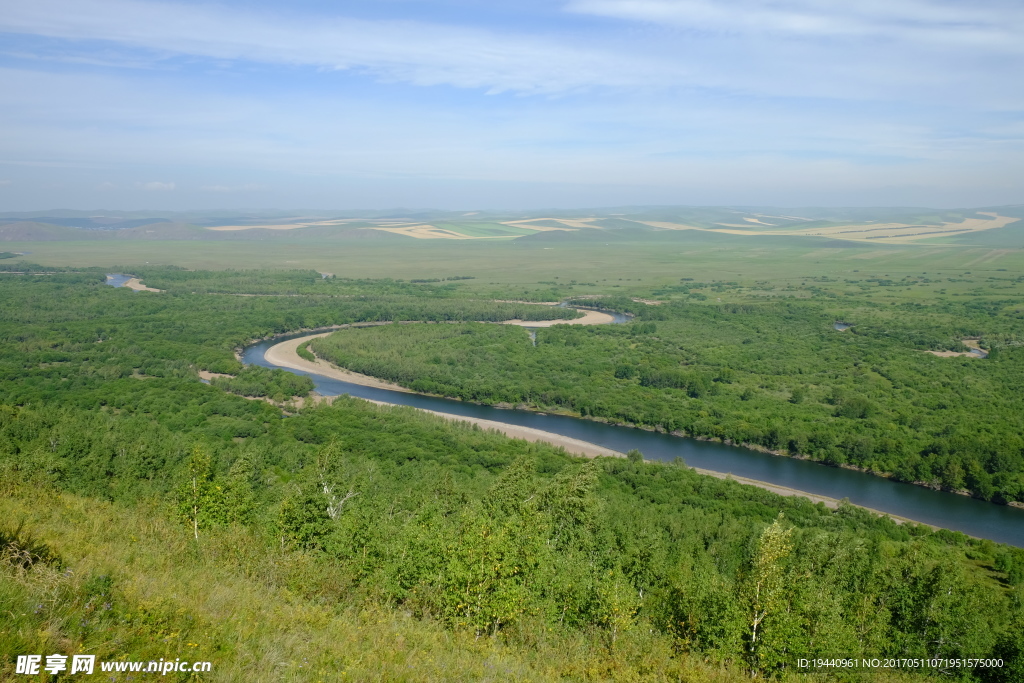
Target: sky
x=454, y=104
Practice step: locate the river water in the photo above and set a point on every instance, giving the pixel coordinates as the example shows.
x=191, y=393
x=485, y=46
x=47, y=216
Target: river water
x=950, y=511
x=118, y=279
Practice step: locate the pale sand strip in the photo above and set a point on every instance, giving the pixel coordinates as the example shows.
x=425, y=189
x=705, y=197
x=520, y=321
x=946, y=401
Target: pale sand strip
x=774, y=488
x=286, y=355
x=576, y=446
x=814, y=498
x=589, y=318
x=137, y=285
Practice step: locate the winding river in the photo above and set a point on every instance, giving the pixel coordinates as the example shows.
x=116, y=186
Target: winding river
x=938, y=508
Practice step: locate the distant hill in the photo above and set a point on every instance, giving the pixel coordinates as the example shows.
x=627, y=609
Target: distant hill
x=94, y=222
x=838, y=225
x=703, y=237
x=26, y=231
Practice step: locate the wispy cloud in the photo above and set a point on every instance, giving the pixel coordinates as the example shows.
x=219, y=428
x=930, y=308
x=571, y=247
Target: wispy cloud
x=675, y=99
x=989, y=25
x=405, y=51
x=5, y=181
x=155, y=186
x=227, y=189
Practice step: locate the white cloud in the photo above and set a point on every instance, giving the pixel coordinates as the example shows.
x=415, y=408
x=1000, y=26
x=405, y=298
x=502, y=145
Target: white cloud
x=414, y=52
x=5, y=182
x=226, y=189
x=985, y=25
x=801, y=92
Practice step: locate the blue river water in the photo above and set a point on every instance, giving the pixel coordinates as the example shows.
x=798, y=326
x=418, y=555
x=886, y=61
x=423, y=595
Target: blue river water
x=117, y=279
x=939, y=508
x=947, y=510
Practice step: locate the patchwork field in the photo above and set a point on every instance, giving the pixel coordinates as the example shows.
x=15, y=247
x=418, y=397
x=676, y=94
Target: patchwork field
x=893, y=233
x=993, y=226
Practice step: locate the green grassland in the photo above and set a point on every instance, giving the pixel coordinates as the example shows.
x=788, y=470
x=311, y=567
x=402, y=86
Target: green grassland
x=640, y=266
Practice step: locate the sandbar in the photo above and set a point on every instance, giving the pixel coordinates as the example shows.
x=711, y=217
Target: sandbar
x=286, y=355
x=589, y=318
x=136, y=284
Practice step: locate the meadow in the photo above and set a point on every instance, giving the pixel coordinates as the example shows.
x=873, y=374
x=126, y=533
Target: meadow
x=634, y=266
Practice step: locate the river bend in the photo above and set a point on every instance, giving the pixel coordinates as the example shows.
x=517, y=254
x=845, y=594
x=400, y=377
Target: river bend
x=939, y=508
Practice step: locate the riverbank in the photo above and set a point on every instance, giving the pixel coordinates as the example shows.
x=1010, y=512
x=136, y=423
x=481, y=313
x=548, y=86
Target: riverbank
x=590, y=317
x=830, y=503
x=574, y=446
x=591, y=450
x=285, y=354
x=136, y=284
x=131, y=282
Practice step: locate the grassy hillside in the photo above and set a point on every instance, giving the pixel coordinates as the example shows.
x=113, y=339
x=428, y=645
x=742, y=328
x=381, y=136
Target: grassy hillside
x=472, y=552
x=130, y=582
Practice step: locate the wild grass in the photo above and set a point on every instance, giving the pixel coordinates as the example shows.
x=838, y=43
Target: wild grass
x=133, y=584
x=619, y=268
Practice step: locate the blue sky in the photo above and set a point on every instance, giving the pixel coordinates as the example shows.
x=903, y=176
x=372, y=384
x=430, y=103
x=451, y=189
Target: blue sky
x=131, y=104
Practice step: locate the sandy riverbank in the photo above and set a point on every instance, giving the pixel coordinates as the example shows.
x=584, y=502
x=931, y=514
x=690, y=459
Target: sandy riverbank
x=589, y=318
x=136, y=284
x=831, y=503
x=286, y=355
x=575, y=446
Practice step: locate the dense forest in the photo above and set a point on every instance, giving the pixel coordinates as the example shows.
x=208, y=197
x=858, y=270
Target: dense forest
x=611, y=568
x=776, y=375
